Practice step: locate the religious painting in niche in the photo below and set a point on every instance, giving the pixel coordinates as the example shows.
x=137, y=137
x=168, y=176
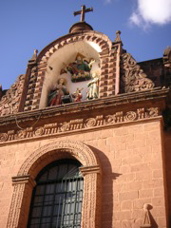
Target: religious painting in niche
x=80, y=68
x=77, y=81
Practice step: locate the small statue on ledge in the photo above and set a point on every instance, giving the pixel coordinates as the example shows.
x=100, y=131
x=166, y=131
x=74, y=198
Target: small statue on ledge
x=77, y=95
x=93, y=86
x=60, y=90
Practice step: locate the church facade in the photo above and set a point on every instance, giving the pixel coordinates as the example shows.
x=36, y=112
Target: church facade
x=85, y=137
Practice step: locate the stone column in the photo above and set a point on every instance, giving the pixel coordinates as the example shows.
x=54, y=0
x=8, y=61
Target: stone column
x=20, y=203
x=91, y=197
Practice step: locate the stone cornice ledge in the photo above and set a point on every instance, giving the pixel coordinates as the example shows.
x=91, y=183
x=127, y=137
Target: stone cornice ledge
x=112, y=101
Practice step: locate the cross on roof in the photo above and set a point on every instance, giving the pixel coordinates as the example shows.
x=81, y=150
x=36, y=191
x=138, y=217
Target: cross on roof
x=82, y=12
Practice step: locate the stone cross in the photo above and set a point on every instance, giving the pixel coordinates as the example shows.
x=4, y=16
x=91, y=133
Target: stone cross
x=82, y=12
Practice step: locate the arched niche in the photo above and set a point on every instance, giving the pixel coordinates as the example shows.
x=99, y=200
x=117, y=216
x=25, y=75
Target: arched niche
x=57, y=67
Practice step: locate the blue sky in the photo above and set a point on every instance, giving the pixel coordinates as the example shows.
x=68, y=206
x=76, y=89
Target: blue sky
x=28, y=25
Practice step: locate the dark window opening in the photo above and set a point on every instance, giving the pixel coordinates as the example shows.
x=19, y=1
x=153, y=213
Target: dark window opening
x=57, y=196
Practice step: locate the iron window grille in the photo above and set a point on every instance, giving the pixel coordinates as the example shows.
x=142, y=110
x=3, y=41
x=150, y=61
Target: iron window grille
x=57, y=196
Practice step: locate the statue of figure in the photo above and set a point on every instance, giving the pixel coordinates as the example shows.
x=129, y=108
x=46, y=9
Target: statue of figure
x=77, y=95
x=79, y=69
x=93, y=86
x=91, y=62
x=79, y=66
x=55, y=96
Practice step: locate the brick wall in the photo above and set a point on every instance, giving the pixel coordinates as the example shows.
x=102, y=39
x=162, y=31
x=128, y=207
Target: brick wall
x=167, y=148
x=132, y=167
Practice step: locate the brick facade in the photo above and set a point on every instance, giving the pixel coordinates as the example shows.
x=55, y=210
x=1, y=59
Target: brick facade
x=122, y=140
x=132, y=171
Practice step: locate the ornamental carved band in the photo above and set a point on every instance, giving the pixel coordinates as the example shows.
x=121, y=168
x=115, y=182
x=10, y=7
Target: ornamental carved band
x=59, y=128
x=23, y=182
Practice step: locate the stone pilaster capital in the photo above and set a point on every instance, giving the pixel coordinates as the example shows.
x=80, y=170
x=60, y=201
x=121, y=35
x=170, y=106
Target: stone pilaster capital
x=25, y=179
x=90, y=170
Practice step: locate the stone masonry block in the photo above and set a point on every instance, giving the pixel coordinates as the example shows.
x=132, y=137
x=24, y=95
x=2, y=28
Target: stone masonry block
x=142, y=175
x=159, y=192
x=158, y=201
x=147, y=193
x=127, y=205
x=128, y=195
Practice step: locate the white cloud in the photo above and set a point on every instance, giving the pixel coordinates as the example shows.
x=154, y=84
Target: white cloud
x=151, y=12
x=108, y=1
x=135, y=19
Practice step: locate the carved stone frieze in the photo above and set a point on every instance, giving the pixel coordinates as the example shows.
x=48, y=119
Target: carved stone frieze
x=91, y=122
x=79, y=124
x=9, y=103
x=39, y=131
x=3, y=137
x=133, y=78
x=130, y=116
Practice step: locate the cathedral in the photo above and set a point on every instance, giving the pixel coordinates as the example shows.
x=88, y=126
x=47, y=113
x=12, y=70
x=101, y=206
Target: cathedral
x=85, y=137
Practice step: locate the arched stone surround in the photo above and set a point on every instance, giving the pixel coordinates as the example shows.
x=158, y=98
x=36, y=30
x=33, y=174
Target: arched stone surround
x=25, y=181
x=108, y=64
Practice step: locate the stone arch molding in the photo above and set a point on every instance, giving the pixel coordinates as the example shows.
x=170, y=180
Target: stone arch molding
x=96, y=37
x=41, y=86
x=57, y=150
x=25, y=181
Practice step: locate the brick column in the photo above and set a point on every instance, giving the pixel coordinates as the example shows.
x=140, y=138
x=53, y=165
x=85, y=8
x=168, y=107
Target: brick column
x=91, y=197
x=104, y=76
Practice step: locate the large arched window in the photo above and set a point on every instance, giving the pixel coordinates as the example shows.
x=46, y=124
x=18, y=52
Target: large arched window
x=57, y=196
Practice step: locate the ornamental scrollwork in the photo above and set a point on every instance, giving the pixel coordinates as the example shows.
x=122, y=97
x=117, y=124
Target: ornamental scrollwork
x=39, y=131
x=91, y=122
x=65, y=126
x=3, y=137
x=130, y=116
x=133, y=78
x=110, y=119
x=9, y=103
x=153, y=112
x=22, y=134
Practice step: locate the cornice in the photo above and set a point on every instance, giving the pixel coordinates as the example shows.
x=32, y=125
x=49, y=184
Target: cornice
x=85, y=116
x=71, y=108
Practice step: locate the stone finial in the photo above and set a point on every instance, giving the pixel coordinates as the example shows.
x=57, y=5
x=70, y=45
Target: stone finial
x=167, y=51
x=34, y=57
x=167, y=57
x=118, y=38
